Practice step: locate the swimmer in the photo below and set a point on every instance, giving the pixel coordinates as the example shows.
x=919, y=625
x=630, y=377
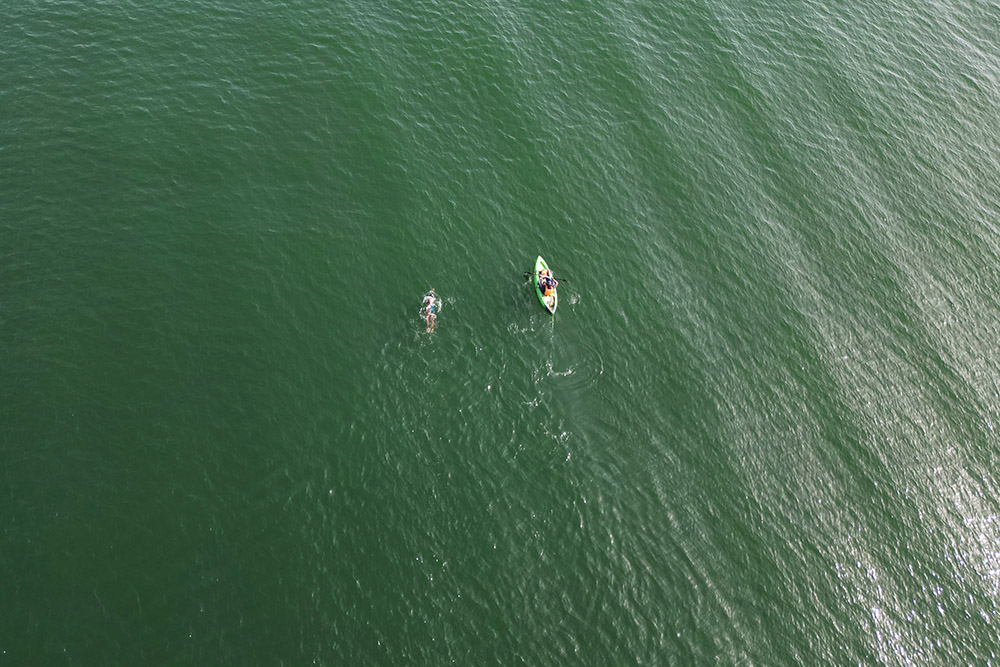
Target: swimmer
x=430, y=308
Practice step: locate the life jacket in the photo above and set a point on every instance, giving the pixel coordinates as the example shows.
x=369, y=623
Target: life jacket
x=548, y=290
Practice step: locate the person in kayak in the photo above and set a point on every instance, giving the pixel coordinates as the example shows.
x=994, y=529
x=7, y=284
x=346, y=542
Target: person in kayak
x=546, y=282
x=430, y=307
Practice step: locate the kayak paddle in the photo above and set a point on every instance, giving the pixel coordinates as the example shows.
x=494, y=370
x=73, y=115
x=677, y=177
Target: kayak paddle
x=529, y=274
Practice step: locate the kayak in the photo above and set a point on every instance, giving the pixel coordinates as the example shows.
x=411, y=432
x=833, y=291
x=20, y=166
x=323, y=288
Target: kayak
x=549, y=303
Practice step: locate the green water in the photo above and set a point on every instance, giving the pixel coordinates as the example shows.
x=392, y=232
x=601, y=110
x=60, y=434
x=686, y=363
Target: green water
x=760, y=429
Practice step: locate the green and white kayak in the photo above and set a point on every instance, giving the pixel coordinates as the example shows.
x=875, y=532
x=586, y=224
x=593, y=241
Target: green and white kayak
x=549, y=303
